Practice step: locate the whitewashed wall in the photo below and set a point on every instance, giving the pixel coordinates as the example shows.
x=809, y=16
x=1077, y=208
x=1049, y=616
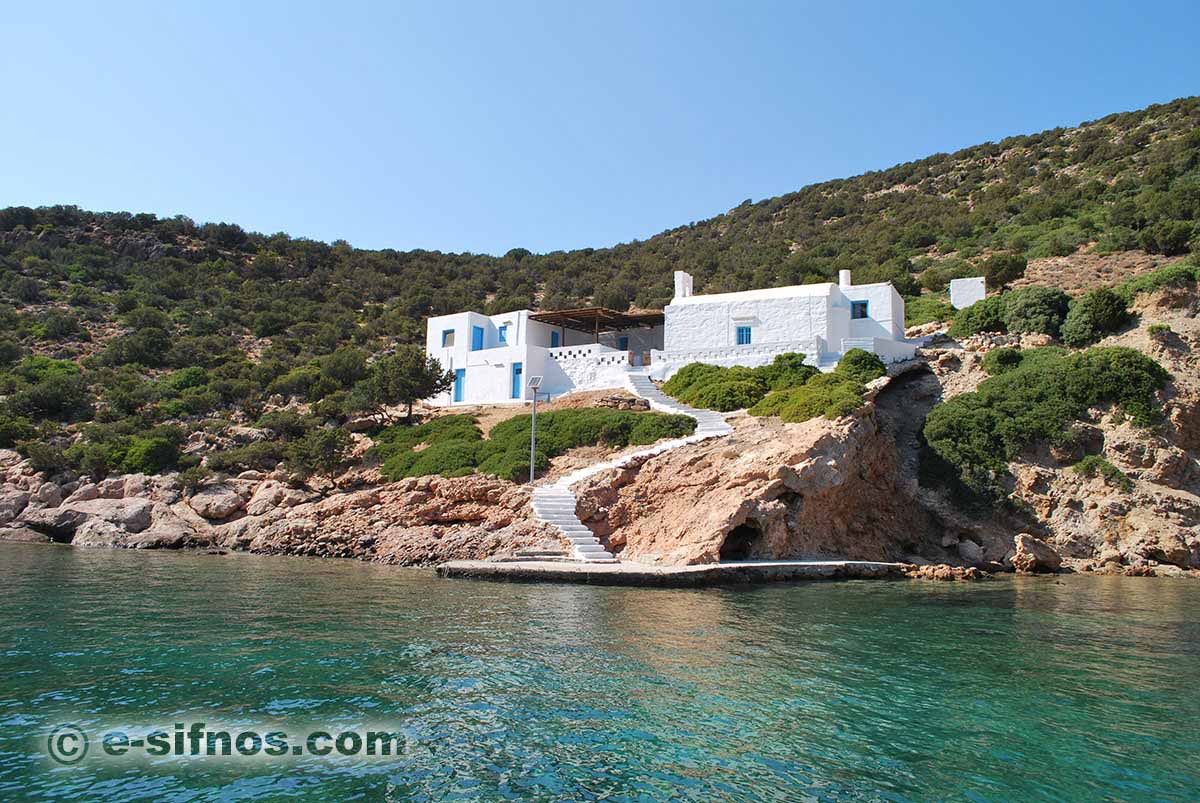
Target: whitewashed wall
x=693, y=323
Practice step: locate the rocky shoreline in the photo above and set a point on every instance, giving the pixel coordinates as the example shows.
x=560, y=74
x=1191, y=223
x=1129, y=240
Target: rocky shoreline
x=844, y=489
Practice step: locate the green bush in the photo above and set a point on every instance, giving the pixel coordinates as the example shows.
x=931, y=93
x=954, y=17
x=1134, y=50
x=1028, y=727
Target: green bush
x=323, y=450
x=55, y=396
x=1176, y=275
x=985, y=315
x=726, y=395
x=716, y=388
x=831, y=395
x=997, y=361
x=1094, y=465
x=1034, y=309
x=258, y=456
x=453, y=446
x=44, y=457
x=1002, y=269
x=861, y=366
x=977, y=433
x=1092, y=316
x=14, y=428
x=936, y=278
x=786, y=371
x=926, y=309
x=149, y=455
x=287, y=424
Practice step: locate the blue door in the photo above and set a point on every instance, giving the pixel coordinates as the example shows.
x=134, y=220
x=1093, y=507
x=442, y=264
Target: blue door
x=554, y=342
x=476, y=338
x=622, y=344
x=460, y=379
x=516, y=380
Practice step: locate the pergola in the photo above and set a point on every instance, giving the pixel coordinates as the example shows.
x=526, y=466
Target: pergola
x=595, y=320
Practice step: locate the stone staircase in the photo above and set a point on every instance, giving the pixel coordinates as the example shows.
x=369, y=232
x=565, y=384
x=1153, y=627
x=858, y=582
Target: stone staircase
x=555, y=503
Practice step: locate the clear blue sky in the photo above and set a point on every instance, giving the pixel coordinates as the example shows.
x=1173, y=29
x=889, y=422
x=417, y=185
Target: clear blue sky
x=485, y=126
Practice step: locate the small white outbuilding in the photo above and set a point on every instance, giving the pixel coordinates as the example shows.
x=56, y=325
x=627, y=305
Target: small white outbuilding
x=965, y=292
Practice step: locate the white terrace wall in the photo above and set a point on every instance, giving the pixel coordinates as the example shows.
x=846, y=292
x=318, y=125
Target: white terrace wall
x=590, y=367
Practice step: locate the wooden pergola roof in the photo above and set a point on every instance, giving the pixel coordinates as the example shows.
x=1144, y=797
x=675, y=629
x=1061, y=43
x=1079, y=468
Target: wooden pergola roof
x=598, y=319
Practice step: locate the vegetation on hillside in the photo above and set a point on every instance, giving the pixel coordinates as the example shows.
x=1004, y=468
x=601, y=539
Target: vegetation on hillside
x=1034, y=396
x=124, y=335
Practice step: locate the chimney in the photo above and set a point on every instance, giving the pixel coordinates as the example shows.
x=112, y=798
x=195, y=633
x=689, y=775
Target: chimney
x=844, y=278
x=683, y=284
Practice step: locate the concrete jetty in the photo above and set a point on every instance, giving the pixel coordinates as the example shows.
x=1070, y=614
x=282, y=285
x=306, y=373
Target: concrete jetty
x=644, y=574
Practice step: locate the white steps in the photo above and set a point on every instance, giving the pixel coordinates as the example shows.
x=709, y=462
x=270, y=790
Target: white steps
x=555, y=503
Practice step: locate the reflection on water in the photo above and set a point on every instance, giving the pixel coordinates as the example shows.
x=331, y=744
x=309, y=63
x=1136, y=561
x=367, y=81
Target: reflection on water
x=1073, y=688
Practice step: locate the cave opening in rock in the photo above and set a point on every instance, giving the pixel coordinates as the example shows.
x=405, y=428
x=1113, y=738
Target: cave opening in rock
x=740, y=542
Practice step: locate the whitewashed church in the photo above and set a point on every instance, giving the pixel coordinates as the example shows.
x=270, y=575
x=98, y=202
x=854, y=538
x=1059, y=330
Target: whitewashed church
x=493, y=356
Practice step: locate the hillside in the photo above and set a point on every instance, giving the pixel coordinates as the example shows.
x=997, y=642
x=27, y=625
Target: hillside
x=151, y=337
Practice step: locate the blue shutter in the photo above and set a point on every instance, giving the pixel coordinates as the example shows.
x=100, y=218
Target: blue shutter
x=460, y=379
x=516, y=380
x=743, y=335
x=476, y=338
x=554, y=343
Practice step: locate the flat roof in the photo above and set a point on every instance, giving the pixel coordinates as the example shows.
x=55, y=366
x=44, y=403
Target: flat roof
x=820, y=289
x=593, y=319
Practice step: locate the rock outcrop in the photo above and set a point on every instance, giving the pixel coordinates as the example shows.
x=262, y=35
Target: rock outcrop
x=1032, y=555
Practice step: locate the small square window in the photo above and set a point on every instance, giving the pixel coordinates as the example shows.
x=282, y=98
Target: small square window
x=743, y=336
x=447, y=338
x=858, y=310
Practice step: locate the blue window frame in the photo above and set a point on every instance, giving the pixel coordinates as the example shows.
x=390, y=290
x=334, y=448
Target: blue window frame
x=858, y=310
x=502, y=334
x=460, y=380
x=554, y=340
x=622, y=343
x=447, y=338
x=516, y=380
x=743, y=336
x=476, y=338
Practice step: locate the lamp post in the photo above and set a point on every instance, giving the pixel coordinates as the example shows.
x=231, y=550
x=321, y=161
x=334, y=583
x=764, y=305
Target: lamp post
x=535, y=382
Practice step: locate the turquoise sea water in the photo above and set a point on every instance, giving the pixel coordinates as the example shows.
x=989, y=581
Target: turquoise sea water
x=1075, y=688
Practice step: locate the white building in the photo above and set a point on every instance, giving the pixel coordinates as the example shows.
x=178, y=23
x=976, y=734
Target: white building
x=493, y=356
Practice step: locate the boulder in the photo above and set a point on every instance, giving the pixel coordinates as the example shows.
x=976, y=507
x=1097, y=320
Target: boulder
x=12, y=502
x=98, y=532
x=59, y=523
x=23, y=534
x=112, y=488
x=84, y=493
x=48, y=495
x=132, y=515
x=1034, y=555
x=270, y=495
x=216, y=502
x=970, y=552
